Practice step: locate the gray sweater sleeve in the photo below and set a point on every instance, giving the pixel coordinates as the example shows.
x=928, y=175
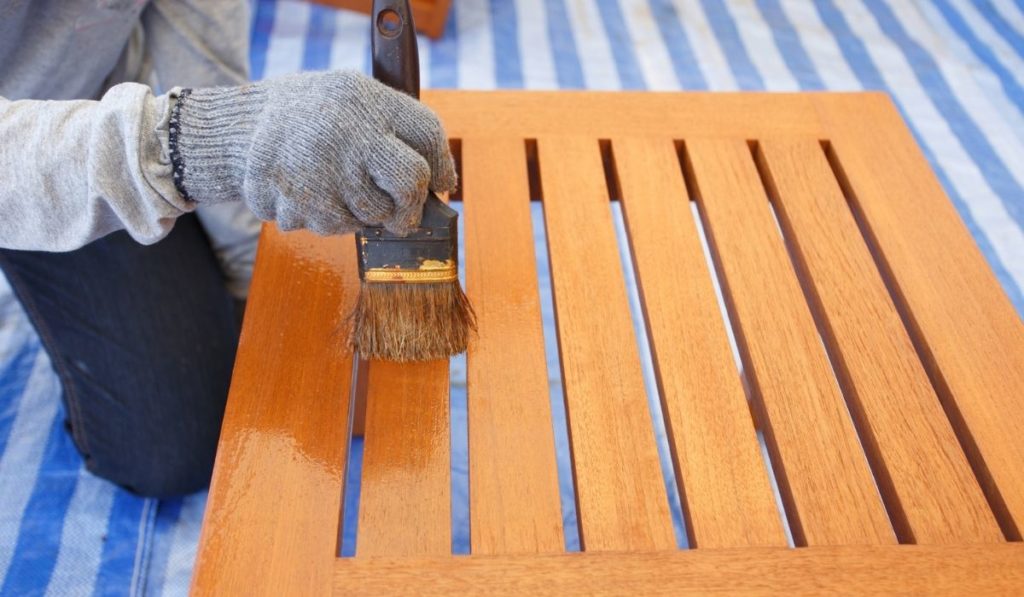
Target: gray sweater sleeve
x=197, y=43
x=73, y=171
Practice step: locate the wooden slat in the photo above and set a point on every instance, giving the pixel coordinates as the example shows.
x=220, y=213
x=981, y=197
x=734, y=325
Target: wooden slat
x=823, y=475
x=514, y=501
x=601, y=115
x=276, y=491
x=970, y=336
x=622, y=499
x=405, y=499
x=931, y=493
x=880, y=570
x=728, y=497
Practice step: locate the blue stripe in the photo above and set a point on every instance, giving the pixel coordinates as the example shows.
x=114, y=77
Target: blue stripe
x=167, y=516
x=459, y=429
x=556, y=393
x=621, y=44
x=983, y=52
x=459, y=454
x=316, y=51
x=935, y=85
x=508, y=68
x=856, y=55
x=117, y=563
x=788, y=41
x=563, y=46
x=673, y=34
x=262, y=27
x=444, y=55
x=38, y=544
x=13, y=379
x=1004, y=29
x=724, y=27
x=350, y=498
x=853, y=49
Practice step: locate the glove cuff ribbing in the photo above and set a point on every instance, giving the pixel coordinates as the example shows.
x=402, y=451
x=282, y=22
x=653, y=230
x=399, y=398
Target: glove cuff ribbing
x=210, y=134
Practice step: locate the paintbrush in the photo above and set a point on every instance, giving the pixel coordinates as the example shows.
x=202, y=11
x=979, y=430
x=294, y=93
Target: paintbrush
x=411, y=306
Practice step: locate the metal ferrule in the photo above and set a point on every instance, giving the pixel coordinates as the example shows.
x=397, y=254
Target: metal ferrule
x=428, y=255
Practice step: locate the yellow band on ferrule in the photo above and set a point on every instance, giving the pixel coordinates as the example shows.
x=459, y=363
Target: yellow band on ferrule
x=411, y=276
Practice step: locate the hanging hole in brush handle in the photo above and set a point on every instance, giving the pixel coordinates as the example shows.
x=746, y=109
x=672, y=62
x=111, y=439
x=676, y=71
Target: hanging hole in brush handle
x=396, y=60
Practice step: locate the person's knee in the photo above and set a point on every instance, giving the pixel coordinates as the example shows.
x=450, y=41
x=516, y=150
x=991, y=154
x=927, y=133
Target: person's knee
x=163, y=453
x=162, y=466
x=167, y=480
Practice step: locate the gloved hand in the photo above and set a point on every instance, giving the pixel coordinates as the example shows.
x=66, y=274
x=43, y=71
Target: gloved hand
x=327, y=151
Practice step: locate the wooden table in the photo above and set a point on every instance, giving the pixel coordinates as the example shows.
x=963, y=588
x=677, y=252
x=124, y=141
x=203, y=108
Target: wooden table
x=885, y=367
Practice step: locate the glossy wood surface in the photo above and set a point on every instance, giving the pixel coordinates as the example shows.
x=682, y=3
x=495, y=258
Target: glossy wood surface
x=901, y=422
x=276, y=492
x=405, y=502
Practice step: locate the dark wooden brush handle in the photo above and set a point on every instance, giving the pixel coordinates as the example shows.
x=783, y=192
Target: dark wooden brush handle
x=396, y=60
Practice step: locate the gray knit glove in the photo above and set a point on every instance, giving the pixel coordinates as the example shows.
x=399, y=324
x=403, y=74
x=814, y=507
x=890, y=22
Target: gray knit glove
x=327, y=151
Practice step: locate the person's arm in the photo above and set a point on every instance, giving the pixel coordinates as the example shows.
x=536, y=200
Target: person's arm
x=73, y=171
x=205, y=43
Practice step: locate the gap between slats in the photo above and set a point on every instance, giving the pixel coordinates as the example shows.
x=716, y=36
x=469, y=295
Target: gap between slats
x=672, y=484
x=563, y=452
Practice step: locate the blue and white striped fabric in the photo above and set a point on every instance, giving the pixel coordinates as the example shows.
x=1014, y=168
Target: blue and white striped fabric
x=955, y=68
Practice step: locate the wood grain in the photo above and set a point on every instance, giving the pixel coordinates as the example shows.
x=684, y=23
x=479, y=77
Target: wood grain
x=823, y=475
x=405, y=503
x=514, y=501
x=725, y=487
x=931, y=493
x=603, y=115
x=622, y=500
x=864, y=570
x=276, y=491
x=967, y=331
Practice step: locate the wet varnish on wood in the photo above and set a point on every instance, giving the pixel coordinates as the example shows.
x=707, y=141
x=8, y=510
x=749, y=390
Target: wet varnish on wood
x=879, y=360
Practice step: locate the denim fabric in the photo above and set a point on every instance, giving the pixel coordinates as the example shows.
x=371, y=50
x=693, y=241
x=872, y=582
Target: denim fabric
x=143, y=339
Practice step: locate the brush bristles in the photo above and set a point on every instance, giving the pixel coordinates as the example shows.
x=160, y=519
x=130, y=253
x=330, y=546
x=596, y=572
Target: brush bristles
x=411, y=322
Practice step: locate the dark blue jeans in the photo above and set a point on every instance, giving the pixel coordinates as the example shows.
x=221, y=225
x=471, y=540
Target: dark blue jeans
x=143, y=340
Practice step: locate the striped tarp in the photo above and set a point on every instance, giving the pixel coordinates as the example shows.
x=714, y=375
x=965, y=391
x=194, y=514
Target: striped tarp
x=955, y=68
